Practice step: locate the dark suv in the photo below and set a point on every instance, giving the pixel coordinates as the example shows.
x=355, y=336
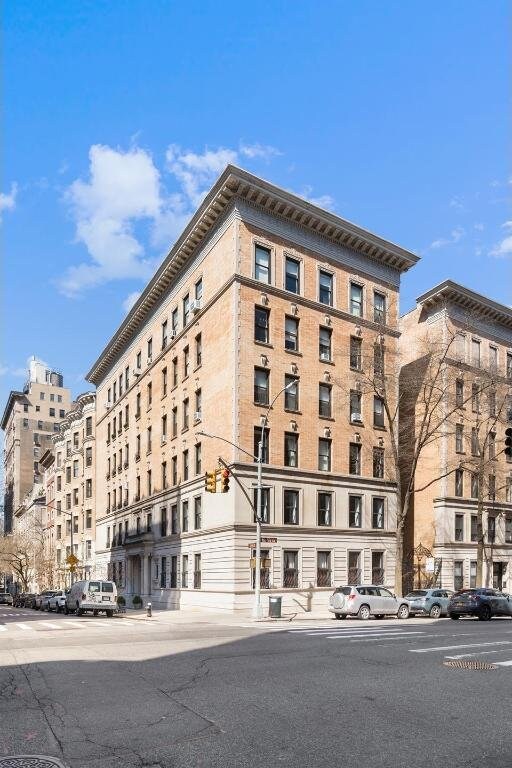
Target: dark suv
x=482, y=602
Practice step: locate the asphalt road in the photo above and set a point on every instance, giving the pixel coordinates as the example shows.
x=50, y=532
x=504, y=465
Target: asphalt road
x=123, y=693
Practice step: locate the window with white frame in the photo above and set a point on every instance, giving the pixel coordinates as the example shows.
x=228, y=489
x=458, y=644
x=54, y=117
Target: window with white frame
x=262, y=263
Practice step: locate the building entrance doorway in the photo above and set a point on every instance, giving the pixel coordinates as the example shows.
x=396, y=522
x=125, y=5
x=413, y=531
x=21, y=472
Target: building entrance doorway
x=498, y=575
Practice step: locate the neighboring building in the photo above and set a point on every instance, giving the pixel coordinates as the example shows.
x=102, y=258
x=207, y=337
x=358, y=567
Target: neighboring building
x=70, y=485
x=30, y=419
x=261, y=289
x=468, y=453
x=30, y=525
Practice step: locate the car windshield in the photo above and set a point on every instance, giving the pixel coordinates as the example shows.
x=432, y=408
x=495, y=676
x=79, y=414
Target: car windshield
x=94, y=586
x=344, y=590
x=417, y=593
x=107, y=586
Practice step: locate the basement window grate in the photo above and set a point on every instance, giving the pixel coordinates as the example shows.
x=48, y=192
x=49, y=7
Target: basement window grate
x=461, y=664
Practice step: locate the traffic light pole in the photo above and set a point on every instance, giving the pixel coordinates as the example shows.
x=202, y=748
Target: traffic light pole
x=257, y=608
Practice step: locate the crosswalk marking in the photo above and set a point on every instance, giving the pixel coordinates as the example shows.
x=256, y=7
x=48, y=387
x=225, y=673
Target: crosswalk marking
x=24, y=626
x=2, y=628
x=454, y=647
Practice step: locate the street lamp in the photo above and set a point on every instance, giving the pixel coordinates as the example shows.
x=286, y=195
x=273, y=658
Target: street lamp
x=257, y=609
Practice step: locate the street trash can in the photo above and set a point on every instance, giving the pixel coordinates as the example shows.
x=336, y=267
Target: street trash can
x=274, y=607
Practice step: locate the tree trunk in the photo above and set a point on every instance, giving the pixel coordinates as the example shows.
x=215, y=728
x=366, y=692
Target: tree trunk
x=399, y=562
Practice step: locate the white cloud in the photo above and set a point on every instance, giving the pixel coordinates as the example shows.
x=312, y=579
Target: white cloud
x=456, y=202
x=455, y=235
x=479, y=226
x=258, y=150
x=323, y=201
x=503, y=249
x=9, y=370
x=125, y=188
x=130, y=300
x=8, y=200
x=196, y=172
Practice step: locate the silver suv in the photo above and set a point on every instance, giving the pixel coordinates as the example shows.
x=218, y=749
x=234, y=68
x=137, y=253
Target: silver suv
x=429, y=602
x=365, y=601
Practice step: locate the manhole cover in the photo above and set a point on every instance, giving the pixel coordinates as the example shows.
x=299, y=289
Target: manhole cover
x=30, y=761
x=457, y=664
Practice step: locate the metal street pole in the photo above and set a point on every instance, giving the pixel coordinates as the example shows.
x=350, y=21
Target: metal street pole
x=257, y=608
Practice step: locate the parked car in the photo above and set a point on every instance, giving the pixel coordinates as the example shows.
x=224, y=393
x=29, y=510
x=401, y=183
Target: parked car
x=45, y=601
x=429, y=602
x=38, y=600
x=94, y=596
x=18, y=600
x=6, y=598
x=482, y=602
x=56, y=601
x=365, y=601
x=29, y=600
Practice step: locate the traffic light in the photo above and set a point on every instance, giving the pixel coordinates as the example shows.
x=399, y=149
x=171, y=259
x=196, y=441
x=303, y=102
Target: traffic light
x=210, y=482
x=224, y=480
x=508, y=442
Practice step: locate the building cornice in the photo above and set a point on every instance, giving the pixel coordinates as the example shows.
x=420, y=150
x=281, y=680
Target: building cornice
x=449, y=292
x=235, y=183
x=13, y=396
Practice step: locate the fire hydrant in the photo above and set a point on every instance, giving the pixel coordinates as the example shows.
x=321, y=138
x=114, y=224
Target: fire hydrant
x=148, y=608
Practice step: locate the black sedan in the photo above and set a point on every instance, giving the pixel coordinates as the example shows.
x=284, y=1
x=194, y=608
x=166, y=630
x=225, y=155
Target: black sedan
x=481, y=602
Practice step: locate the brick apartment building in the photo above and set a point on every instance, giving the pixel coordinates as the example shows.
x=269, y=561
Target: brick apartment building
x=31, y=417
x=466, y=461
x=262, y=290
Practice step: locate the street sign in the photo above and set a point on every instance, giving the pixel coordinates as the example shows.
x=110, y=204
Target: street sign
x=71, y=559
x=264, y=540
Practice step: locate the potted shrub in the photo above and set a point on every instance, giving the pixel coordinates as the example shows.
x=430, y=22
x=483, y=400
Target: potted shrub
x=121, y=603
x=137, y=601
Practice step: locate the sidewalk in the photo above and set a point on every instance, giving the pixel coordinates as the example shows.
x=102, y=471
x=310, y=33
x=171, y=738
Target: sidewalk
x=197, y=615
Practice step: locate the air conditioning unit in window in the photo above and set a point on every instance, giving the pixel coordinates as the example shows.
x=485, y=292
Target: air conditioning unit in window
x=108, y=405
x=136, y=370
x=172, y=335
x=325, y=356
x=197, y=416
x=195, y=306
x=355, y=417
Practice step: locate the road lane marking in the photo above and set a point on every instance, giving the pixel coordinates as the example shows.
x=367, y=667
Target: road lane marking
x=2, y=628
x=454, y=647
x=477, y=653
x=348, y=630
x=373, y=636
x=25, y=626
x=503, y=663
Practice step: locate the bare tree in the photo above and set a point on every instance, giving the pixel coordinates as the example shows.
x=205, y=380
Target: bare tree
x=416, y=405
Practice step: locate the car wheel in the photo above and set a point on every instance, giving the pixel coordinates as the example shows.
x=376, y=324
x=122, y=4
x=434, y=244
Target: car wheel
x=403, y=611
x=340, y=616
x=79, y=611
x=454, y=616
x=485, y=613
x=95, y=613
x=66, y=609
x=109, y=614
x=435, y=612
x=364, y=612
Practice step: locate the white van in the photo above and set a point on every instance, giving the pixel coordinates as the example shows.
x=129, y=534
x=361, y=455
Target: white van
x=92, y=596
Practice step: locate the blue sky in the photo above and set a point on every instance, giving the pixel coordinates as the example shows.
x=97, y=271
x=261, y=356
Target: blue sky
x=119, y=115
